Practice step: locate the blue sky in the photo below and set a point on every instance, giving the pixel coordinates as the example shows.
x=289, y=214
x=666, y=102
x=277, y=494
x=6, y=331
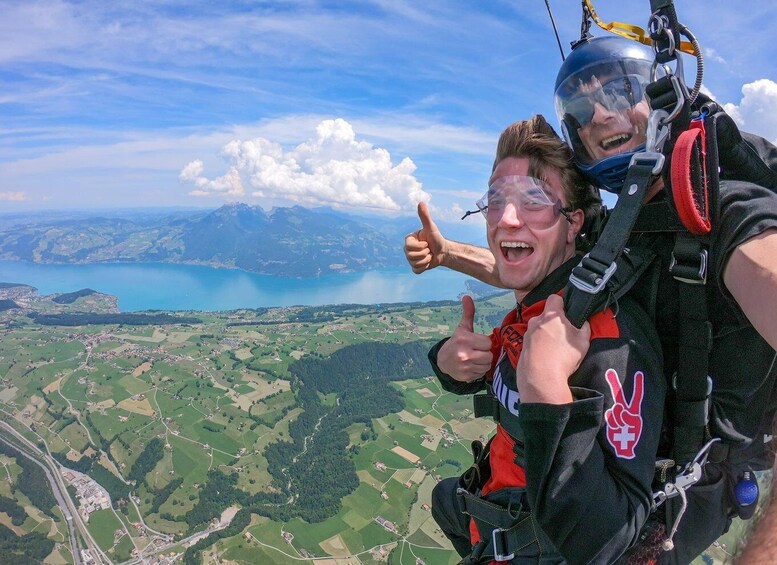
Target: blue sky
x=364, y=105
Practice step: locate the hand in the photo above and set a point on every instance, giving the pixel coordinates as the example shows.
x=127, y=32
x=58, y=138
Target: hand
x=466, y=356
x=424, y=249
x=552, y=350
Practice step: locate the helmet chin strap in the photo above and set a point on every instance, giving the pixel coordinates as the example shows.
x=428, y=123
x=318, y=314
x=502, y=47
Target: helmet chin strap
x=610, y=172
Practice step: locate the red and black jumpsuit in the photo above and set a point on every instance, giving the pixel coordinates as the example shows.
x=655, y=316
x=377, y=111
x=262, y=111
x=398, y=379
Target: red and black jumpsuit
x=583, y=469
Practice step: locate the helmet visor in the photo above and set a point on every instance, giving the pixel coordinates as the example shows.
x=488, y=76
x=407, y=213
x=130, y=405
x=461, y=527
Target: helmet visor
x=615, y=95
x=601, y=109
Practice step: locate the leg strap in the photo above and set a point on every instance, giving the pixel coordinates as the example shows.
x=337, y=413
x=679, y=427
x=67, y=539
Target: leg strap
x=504, y=532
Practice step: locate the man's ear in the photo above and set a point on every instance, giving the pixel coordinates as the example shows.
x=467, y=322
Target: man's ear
x=576, y=225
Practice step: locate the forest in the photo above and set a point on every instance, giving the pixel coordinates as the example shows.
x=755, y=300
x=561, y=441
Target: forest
x=147, y=460
x=320, y=473
x=70, y=297
x=29, y=549
x=315, y=475
x=32, y=481
x=129, y=319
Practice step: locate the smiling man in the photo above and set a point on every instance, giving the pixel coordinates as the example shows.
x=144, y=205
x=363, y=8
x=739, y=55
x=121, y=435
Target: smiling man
x=601, y=104
x=603, y=110
x=567, y=475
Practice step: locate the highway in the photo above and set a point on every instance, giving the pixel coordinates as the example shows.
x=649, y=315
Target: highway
x=66, y=505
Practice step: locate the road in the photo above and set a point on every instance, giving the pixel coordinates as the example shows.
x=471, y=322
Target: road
x=66, y=505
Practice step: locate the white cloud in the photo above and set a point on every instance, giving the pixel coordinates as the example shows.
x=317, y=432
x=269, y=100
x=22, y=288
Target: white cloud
x=333, y=168
x=710, y=53
x=229, y=185
x=13, y=196
x=755, y=112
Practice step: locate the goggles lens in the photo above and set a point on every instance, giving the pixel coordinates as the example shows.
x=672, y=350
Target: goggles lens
x=616, y=95
x=532, y=198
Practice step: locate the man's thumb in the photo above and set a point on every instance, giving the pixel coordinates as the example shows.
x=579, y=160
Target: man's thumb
x=426, y=218
x=467, y=313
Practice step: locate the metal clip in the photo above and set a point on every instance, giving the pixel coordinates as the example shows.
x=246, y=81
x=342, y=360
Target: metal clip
x=657, y=131
x=650, y=158
x=686, y=478
x=500, y=546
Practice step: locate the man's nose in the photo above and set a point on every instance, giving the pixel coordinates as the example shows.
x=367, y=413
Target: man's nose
x=601, y=112
x=511, y=216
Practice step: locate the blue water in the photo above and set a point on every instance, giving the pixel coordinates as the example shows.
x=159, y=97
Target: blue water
x=157, y=286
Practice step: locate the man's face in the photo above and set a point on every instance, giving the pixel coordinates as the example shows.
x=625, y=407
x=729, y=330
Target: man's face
x=525, y=256
x=616, y=125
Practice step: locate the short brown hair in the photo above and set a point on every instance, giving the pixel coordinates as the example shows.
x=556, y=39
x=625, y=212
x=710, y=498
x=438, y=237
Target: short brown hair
x=538, y=141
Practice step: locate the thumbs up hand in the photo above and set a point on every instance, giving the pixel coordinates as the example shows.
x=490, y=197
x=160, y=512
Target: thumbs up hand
x=424, y=248
x=552, y=351
x=466, y=356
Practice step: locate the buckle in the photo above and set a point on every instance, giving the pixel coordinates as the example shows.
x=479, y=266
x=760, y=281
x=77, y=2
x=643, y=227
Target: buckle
x=709, y=383
x=598, y=283
x=650, y=158
x=702, y=276
x=500, y=545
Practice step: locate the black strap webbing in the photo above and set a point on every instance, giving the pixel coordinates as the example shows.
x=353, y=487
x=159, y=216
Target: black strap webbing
x=489, y=405
x=503, y=531
x=692, y=383
x=584, y=294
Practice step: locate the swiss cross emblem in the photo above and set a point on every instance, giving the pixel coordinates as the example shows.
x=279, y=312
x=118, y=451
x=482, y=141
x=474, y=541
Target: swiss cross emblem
x=624, y=419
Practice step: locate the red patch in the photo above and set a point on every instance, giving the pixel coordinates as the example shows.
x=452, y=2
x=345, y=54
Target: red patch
x=624, y=419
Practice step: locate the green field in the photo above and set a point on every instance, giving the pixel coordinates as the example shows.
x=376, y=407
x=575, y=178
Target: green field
x=82, y=389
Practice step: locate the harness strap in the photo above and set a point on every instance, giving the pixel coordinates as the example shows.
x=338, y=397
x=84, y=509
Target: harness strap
x=489, y=405
x=583, y=295
x=503, y=531
x=479, y=472
x=658, y=217
x=692, y=383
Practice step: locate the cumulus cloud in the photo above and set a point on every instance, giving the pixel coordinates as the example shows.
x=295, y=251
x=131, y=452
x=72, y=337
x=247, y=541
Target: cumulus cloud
x=13, y=196
x=333, y=168
x=755, y=112
x=230, y=184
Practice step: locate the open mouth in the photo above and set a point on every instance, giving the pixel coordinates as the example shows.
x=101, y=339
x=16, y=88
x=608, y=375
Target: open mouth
x=515, y=251
x=615, y=141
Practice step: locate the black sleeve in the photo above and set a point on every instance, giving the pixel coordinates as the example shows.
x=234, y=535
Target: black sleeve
x=589, y=466
x=449, y=383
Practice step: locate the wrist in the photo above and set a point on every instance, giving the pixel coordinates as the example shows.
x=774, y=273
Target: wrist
x=544, y=391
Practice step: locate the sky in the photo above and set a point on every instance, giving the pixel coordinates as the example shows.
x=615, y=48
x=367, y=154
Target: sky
x=367, y=106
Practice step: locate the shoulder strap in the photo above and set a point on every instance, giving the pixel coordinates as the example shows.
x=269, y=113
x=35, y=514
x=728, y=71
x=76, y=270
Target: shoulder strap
x=584, y=293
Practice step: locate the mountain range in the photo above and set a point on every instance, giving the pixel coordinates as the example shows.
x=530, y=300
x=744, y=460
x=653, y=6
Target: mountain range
x=293, y=241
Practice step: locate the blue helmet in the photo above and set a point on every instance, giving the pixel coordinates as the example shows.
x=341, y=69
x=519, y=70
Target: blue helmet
x=600, y=102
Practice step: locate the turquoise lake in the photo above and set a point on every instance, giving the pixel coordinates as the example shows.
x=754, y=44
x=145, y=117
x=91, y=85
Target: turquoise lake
x=159, y=286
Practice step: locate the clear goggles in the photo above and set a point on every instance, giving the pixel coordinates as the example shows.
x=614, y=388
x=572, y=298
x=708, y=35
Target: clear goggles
x=616, y=95
x=531, y=197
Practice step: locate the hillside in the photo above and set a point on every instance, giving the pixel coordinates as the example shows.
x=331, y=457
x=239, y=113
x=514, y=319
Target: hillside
x=292, y=242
